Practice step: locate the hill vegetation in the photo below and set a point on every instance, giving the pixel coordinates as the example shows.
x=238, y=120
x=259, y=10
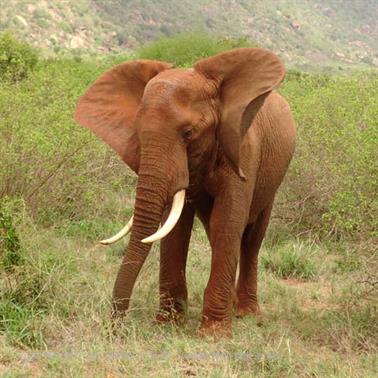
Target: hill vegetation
x=61, y=190
x=306, y=34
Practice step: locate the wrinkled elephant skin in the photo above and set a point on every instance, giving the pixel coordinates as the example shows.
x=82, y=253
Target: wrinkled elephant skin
x=218, y=130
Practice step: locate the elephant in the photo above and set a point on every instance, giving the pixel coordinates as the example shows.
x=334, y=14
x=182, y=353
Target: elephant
x=212, y=141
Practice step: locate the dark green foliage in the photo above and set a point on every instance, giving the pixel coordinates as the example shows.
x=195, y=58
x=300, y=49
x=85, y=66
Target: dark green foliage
x=10, y=245
x=186, y=48
x=66, y=27
x=17, y=59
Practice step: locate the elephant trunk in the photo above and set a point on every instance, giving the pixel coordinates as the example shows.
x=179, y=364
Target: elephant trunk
x=151, y=198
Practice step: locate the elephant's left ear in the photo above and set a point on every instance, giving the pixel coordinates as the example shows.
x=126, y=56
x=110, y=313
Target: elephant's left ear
x=244, y=76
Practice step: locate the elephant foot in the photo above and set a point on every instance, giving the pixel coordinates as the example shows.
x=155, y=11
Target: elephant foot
x=215, y=330
x=170, y=316
x=244, y=310
x=172, y=311
x=120, y=307
x=250, y=310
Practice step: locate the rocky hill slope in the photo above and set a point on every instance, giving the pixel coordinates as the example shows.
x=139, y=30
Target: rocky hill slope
x=303, y=32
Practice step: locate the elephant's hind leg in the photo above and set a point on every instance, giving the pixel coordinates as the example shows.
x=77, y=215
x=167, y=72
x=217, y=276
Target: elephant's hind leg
x=173, y=255
x=246, y=289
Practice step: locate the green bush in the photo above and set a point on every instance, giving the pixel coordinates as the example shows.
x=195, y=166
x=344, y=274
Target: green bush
x=10, y=245
x=290, y=261
x=332, y=182
x=42, y=23
x=17, y=59
x=47, y=159
x=66, y=27
x=186, y=48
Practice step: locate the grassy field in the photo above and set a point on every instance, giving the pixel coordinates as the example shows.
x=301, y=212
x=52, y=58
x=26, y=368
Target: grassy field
x=61, y=190
x=318, y=314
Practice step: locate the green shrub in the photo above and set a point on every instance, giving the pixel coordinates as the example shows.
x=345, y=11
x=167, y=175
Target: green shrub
x=66, y=27
x=186, y=48
x=10, y=245
x=332, y=182
x=41, y=13
x=17, y=59
x=54, y=164
x=42, y=23
x=289, y=261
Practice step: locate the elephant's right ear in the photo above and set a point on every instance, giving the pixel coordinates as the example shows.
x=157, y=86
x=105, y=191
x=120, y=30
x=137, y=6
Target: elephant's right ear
x=109, y=106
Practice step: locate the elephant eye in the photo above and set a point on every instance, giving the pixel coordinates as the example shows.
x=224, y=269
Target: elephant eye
x=187, y=134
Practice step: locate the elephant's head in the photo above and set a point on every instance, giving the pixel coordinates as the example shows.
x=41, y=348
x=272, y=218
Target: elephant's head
x=168, y=125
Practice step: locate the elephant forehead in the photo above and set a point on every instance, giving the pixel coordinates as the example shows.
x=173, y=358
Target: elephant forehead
x=178, y=85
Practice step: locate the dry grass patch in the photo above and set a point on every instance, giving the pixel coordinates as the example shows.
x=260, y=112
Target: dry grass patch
x=66, y=332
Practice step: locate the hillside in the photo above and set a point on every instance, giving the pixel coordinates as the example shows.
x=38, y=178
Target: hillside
x=305, y=33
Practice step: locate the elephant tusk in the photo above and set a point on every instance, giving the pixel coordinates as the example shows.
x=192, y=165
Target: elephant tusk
x=120, y=234
x=173, y=217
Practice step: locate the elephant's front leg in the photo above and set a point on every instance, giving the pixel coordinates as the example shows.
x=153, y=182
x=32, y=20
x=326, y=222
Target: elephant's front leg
x=173, y=255
x=226, y=228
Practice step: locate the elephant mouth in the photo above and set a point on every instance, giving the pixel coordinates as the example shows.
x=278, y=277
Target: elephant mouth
x=173, y=217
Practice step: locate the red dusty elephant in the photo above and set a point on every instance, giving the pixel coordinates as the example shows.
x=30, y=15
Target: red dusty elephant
x=214, y=140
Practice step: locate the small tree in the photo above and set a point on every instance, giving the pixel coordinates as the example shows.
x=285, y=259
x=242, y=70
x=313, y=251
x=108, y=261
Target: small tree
x=17, y=58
